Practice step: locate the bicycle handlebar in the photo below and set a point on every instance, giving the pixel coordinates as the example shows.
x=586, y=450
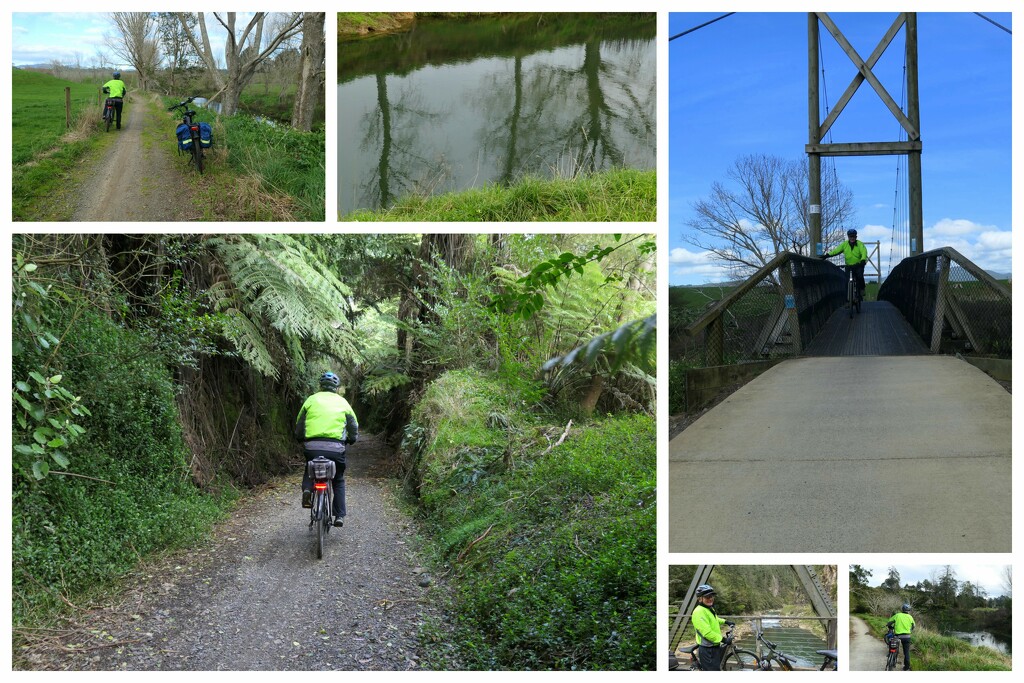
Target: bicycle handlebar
x=182, y=104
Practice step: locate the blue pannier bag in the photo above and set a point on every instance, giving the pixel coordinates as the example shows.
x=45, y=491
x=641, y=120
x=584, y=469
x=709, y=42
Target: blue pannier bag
x=205, y=134
x=184, y=137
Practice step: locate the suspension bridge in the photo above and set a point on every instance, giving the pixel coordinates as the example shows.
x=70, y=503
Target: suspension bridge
x=879, y=432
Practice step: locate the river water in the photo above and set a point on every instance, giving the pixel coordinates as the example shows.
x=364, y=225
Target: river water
x=455, y=104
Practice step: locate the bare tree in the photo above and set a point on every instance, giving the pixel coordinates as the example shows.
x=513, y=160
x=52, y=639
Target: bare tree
x=311, y=71
x=135, y=42
x=244, y=51
x=179, y=53
x=1007, y=576
x=763, y=211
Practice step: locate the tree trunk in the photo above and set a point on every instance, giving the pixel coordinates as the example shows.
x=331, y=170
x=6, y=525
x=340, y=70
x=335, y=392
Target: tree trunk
x=311, y=61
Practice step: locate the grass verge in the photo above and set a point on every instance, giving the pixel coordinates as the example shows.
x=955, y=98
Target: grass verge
x=931, y=651
x=552, y=547
x=618, y=195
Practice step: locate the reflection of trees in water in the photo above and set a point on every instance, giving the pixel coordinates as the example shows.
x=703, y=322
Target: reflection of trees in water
x=572, y=119
x=394, y=129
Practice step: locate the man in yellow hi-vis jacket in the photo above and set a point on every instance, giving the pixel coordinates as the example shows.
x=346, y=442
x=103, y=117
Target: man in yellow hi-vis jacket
x=116, y=90
x=325, y=425
x=903, y=625
x=856, y=256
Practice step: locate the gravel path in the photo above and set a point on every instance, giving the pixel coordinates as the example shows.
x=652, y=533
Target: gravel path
x=138, y=179
x=256, y=598
x=867, y=653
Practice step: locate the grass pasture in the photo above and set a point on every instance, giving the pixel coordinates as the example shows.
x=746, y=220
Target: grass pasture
x=37, y=111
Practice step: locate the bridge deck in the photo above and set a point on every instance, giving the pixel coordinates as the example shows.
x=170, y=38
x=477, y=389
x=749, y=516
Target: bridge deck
x=879, y=330
x=868, y=454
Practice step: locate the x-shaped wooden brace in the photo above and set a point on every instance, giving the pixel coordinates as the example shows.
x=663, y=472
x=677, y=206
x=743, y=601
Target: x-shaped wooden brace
x=865, y=73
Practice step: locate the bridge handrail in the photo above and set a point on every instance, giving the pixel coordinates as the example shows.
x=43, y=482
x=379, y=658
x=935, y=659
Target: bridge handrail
x=723, y=304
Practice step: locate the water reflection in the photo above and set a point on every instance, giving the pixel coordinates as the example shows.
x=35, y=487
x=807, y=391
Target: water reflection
x=452, y=121
x=983, y=639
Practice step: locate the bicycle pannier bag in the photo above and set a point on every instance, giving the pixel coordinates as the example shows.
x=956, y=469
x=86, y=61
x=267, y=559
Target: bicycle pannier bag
x=184, y=137
x=205, y=134
x=321, y=468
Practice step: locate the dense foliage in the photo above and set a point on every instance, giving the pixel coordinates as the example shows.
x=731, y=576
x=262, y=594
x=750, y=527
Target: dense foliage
x=153, y=374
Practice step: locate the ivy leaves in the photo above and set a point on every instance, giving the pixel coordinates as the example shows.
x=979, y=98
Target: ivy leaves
x=45, y=412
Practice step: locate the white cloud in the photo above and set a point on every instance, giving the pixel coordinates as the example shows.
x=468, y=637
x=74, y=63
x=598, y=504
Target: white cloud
x=985, y=245
x=694, y=267
x=958, y=226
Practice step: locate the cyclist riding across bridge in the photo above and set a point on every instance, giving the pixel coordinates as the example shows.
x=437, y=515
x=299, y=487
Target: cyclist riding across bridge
x=856, y=256
x=326, y=424
x=116, y=90
x=708, y=627
x=902, y=625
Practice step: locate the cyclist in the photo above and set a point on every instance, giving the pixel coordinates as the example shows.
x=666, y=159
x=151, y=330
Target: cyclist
x=116, y=90
x=856, y=256
x=902, y=625
x=708, y=627
x=325, y=425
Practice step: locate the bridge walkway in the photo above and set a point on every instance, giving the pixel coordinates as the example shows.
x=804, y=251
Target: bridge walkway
x=879, y=330
x=853, y=454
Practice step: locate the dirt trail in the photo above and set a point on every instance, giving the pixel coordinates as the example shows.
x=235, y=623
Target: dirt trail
x=867, y=653
x=137, y=179
x=256, y=598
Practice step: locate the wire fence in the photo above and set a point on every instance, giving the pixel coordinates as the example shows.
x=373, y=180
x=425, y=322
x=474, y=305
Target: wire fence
x=771, y=315
x=955, y=306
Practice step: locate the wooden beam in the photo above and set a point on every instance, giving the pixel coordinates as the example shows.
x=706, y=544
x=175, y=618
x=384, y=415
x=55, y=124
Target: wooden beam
x=859, y=78
x=912, y=132
x=849, y=149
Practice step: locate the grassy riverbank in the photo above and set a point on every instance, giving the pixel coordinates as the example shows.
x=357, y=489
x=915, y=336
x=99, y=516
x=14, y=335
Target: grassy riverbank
x=934, y=652
x=620, y=195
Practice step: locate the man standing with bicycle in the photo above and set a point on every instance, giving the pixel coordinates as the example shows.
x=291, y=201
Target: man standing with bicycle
x=708, y=627
x=856, y=255
x=902, y=625
x=325, y=425
x=116, y=90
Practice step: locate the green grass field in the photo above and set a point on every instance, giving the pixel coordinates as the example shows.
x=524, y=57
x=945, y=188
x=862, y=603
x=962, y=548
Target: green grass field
x=620, y=195
x=37, y=111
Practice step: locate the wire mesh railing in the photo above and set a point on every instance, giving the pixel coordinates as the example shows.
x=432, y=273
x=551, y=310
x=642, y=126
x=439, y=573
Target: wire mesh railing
x=774, y=313
x=798, y=636
x=954, y=305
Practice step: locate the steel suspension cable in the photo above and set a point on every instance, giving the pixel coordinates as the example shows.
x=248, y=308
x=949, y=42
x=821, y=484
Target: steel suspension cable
x=706, y=23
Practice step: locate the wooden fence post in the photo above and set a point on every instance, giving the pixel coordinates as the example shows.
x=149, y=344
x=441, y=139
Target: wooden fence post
x=67, y=106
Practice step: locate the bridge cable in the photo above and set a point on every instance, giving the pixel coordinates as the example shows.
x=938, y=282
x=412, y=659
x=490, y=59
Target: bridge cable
x=706, y=23
x=900, y=226
x=994, y=23
x=831, y=161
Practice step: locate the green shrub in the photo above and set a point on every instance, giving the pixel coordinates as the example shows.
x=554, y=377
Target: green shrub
x=132, y=492
x=555, y=549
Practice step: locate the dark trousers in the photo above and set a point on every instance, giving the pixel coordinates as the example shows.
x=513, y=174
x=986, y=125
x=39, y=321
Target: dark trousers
x=710, y=658
x=338, y=481
x=906, y=651
x=118, y=105
x=858, y=275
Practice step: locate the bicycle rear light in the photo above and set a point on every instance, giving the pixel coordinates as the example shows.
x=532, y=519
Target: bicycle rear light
x=320, y=485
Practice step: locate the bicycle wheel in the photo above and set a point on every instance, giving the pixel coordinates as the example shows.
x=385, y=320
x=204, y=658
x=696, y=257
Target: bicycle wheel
x=321, y=525
x=740, y=660
x=108, y=118
x=850, y=298
x=890, y=662
x=197, y=156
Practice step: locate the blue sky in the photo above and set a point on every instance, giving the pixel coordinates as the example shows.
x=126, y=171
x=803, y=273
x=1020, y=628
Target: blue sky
x=739, y=86
x=39, y=37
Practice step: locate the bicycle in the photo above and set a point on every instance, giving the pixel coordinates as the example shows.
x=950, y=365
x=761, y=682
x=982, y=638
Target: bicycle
x=193, y=136
x=774, y=654
x=831, y=662
x=894, y=649
x=321, y=470
x=853, y=293
x=108, y=109
x=734, y=659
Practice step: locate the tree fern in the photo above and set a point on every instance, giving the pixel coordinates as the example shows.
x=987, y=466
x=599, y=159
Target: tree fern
x=273, y=282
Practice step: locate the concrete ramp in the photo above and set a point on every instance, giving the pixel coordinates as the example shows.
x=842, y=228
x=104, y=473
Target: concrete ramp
x=854, y=454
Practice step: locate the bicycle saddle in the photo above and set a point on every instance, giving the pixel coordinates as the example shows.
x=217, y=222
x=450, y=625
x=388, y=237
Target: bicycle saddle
x=688, y=650
x=834, y=654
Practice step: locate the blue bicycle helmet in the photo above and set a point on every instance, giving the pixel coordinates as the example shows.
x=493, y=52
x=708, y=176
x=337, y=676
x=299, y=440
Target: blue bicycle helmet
x=704, y=590
x=329, y=380
x=851, y=233
x=906, y=607
x=117, y=74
